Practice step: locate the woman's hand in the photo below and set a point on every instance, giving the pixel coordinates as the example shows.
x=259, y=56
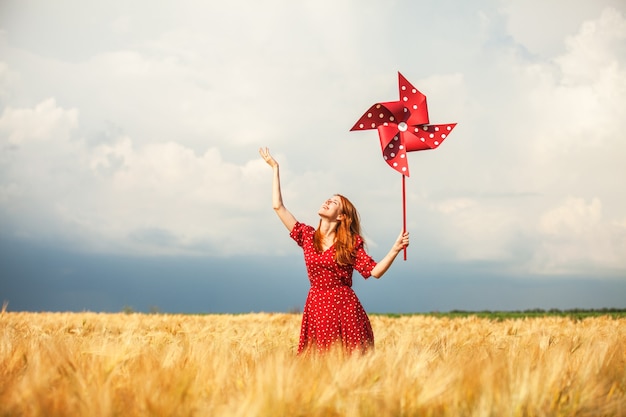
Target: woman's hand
x=401, y=242
x=265, y=154
x=381, y=267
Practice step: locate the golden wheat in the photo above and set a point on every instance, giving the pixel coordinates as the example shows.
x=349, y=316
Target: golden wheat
x=88, y=364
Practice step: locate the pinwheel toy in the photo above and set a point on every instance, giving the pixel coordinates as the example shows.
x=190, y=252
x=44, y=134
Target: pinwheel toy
x=403, y=127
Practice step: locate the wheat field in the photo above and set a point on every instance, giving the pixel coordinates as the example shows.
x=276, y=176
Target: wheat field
x=89, y=364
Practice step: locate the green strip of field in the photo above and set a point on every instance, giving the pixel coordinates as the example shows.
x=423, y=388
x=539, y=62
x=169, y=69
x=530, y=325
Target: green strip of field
x=577, y=314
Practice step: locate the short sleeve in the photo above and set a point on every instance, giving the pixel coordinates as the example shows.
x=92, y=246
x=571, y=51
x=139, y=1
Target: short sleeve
x=299, y=232
x=363, y=263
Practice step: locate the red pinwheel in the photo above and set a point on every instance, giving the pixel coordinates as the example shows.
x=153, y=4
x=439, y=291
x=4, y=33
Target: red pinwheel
x=403, y=127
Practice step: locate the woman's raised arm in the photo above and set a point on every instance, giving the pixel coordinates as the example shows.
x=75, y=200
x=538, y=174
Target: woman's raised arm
x=277, y=198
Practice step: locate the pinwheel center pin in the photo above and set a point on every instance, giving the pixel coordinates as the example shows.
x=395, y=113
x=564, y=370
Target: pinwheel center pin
x=402, y=127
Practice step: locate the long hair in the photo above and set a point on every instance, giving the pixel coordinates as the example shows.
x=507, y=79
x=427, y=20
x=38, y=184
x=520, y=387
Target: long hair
x=347, y=230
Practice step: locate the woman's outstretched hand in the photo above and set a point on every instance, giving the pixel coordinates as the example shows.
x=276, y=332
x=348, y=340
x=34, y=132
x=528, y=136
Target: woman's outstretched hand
x=265, y=154
x=277, y=197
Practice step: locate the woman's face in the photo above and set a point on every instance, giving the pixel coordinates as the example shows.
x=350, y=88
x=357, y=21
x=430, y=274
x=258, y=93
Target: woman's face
x=331, y=209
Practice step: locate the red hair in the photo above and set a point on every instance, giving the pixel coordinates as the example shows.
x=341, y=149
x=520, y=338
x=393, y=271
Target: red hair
x=348, y=228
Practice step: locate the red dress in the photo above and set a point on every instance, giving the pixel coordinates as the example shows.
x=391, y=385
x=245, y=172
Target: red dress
x=332, y=312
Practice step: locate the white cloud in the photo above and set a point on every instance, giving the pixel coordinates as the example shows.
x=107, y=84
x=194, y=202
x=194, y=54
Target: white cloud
x=148, y=144
x=559, y=133
x=102, y=196
x=540, y=26
x=45, y=122
x=575, y=237
x=7, y=78
x=454, y=205
x=596, y=48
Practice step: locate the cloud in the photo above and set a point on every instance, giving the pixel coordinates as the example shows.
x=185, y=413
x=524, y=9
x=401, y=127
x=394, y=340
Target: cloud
x=146, y=143
x=108, y=195
x=575, y=238
x=7, y=78
x=539, y=27
x=44, y=122
x=559, y=134
x=168, y=187
x=599, y=45
x=579, y=142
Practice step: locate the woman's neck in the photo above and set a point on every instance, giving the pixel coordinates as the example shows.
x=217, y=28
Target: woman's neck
x=327, y=228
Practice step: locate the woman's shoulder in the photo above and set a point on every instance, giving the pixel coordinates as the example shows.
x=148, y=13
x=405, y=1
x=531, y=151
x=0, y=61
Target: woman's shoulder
x=303, y=228
x=358, y=241
x=301, y=225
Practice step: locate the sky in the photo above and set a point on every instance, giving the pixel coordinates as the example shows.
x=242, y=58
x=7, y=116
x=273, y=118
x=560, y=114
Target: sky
x=130, y=175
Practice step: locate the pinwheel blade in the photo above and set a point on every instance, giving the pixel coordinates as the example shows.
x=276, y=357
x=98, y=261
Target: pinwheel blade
x=381, y=114
x=421, y=138
x=394, y=152
x=413, y=101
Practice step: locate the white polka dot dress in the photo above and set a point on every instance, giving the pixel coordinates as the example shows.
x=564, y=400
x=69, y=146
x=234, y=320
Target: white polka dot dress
x=332, y=312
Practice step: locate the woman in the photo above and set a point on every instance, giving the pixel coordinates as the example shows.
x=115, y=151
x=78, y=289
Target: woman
x=333, y=314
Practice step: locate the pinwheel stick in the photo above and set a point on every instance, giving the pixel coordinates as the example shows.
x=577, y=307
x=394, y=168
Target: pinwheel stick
x=404, y=209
